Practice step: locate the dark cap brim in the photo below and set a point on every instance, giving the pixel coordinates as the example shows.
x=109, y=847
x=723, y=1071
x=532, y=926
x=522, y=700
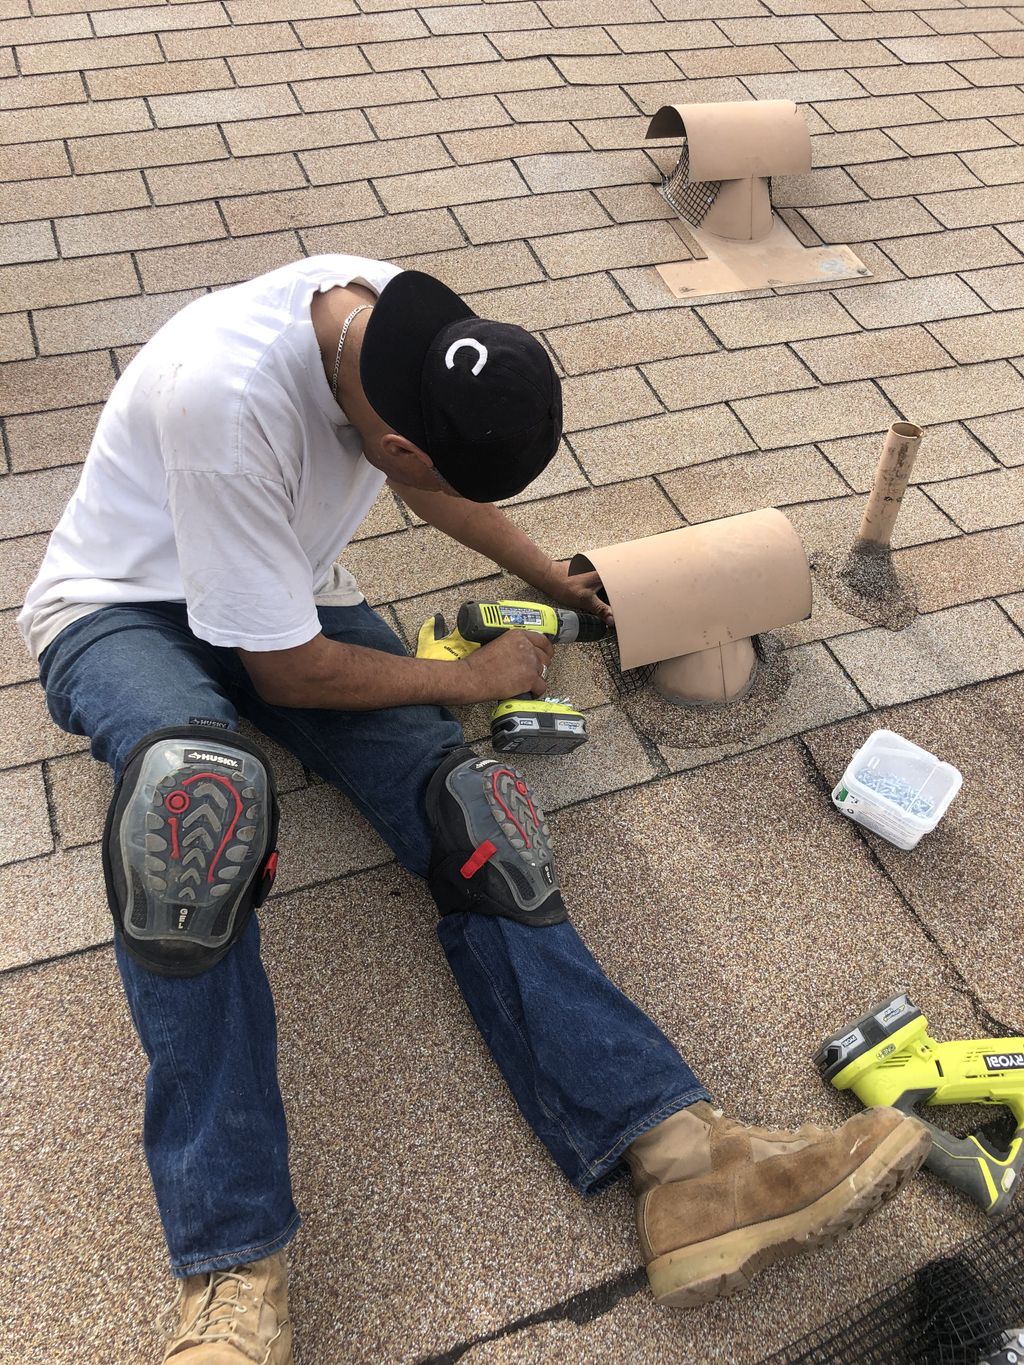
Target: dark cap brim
x=410, y=311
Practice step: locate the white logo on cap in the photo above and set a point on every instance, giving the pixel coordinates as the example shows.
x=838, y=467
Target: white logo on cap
x=449, y=358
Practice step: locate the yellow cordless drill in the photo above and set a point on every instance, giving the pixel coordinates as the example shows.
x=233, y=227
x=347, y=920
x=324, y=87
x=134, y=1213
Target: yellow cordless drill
x=887, y=1057
x=526, y=724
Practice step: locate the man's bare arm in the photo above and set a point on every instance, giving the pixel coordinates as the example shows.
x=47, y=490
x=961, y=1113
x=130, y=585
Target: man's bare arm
x=483, y=527
x=329, y=675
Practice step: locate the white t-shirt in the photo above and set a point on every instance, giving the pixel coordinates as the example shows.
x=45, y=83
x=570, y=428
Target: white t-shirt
x=222, y=474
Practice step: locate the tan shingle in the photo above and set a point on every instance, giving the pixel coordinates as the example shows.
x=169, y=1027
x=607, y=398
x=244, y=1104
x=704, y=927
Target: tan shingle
x=530, y=216
x=971, y=208
x=956, y=104
x=1000, y=286
x=746, y=482
x=654, y=444
x=935, y=653
x=954, y=395
x=397, y=156
x=993, y=336
x=434, y=189
x=360, y=28
x=222, y=106
x=219, y=179
x=724, y=376
x=74, y=120
x=265, y=68
x=982, y=501
x=56, y=282
x=159, y=18
x=914, y=175
x=29, y=91
x=785, y=29
x=584, y=170
x=479, y=18
x=64, y=195
x=307, y=207
x=164, y=79
x=436, y=116
x=569, y=12
x=954, y=135
x=629, y=340
x=905, y=301
x=397, y=234
x=137, y=229
x=514, y=140
x=1000, y=166
x=763, y=322
x=798, y=418
x=547, y=106
x=966, y=569
x=551, y=304
x=495, y=77
x=869, y=220
x=475, y=267
x=896, y=350
x=848, y=115
x=804, y=87
x=945, y=49
x=43, y=30
x=15, y=337
x=731, y=61
x=183, y=44
x=961, y=249
x=948, y=450
x=357, y=92
x=26, y=242
x=617, y=70
x=542, y=42
x=89, y=53
x=154, y=147
x=824, y=55
x=416, y=53
x=33, y=160
x=603, y=248
x=297, y=132
x=41, y=439
x=225, y=262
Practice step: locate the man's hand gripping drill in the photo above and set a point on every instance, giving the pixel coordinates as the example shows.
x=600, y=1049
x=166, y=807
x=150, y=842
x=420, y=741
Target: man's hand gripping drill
x=512, y=641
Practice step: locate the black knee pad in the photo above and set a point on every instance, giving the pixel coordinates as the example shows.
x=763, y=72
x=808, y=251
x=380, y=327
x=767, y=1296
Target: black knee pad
x=189, y=846
x=492, y=847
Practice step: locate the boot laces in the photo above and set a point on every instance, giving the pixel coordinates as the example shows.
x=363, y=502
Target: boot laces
x=214, y=1316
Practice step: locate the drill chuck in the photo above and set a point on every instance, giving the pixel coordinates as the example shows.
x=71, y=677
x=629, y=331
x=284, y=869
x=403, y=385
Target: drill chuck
x=580, y=625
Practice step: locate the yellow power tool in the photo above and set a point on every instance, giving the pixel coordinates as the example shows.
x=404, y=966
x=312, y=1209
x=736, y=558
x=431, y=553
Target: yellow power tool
x=887, y=1057
x=526, y=724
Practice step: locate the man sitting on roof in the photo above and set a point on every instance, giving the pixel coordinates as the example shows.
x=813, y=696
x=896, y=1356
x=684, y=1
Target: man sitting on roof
x=193, y=580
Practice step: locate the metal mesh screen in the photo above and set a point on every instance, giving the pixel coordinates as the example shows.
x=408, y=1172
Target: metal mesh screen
x=691, y=199
x=964, y=1309
x=626, y=682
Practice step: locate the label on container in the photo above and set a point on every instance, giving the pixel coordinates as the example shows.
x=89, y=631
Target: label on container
x=876, y=817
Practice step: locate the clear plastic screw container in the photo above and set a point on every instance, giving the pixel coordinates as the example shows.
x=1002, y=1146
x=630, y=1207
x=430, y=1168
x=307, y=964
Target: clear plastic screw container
x=896, y=788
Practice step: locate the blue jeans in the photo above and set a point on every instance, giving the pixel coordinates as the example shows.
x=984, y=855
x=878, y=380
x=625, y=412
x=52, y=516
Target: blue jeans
x=588, y=1069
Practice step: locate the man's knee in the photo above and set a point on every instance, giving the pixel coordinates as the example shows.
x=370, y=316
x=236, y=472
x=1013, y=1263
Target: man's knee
x=491, y=844
x=189, y=846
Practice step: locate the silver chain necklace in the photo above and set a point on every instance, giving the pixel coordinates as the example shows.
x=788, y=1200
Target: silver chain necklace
x=341, y=342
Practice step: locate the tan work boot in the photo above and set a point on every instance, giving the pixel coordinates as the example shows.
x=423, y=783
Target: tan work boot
x=719, y=1200
x=235, y=1317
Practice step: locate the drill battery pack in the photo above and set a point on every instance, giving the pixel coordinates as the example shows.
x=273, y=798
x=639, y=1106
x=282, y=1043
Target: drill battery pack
x=545, y=726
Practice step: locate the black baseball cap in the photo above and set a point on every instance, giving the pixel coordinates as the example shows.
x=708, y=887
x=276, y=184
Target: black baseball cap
x=481, y=398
